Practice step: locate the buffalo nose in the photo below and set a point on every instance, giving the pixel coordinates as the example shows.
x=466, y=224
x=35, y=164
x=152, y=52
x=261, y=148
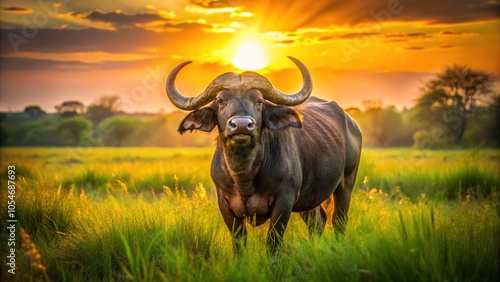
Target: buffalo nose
x=241, y=124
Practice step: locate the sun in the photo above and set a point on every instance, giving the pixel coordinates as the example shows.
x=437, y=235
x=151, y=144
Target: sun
x=250, y=56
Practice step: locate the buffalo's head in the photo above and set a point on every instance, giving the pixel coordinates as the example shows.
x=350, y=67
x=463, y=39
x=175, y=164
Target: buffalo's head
x=241, y=105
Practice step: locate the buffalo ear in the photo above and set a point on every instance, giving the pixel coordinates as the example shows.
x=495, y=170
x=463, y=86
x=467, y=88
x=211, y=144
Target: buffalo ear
x=201, y=119
x=281, y=117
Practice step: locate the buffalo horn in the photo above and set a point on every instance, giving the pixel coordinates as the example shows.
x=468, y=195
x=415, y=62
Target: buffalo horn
x=276, y=96
x=191, y=103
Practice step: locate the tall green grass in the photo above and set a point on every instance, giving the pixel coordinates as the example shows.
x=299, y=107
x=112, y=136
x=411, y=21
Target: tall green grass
x=99, y=171
x=443, y=175
x=174, y=232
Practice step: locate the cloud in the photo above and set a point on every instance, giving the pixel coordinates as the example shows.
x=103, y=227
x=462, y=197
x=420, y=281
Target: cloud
x=404, y=37
x=147, y=43
x=30, y=64
x=447, y=33
x=285, y=42
x=188, y=25
x=119, y=19
x=234, y=11
x=16, y=9
x=159, y=21
x=312, y=36
x=415, y=48
x=79, y=40
x=429, y=48
x=211, y=4
x=325, y=35
x=284, y=15
x=357, y=35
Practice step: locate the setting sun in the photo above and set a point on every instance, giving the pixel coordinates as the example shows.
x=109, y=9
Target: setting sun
x=250, y=56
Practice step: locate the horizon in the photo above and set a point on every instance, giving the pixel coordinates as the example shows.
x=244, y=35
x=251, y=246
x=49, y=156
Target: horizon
x=383, y=50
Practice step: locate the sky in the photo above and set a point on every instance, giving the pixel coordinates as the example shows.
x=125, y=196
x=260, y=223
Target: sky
x=56, y=51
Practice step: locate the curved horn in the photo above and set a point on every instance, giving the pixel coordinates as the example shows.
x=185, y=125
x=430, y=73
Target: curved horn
x=278, y=97
x=187, y=103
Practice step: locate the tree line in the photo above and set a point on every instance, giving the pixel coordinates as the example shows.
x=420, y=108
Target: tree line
x=100, y=124
x=457, y=108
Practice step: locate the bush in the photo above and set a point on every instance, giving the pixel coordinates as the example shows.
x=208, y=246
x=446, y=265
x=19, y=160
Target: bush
x=118, y=129
x=434, y=138
x=74, y=127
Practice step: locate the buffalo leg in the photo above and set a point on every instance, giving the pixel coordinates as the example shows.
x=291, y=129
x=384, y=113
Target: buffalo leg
x=279, y=220
x=342, y=200
x=235, y=225
x=315, y=220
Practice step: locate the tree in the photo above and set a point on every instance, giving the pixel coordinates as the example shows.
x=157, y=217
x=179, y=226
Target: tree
x=70, y=108
x=34, y=133
x=449, y=100
x=110, y=102
x=4, y=134
x=379, y=124
x=102, y=108
x=98, y=113
x=484, y=127
x=75, y=126
x=35, y=112
x=385, y=124
x=117, y=128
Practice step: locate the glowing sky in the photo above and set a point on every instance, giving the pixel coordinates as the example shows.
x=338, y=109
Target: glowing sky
x=356, y=50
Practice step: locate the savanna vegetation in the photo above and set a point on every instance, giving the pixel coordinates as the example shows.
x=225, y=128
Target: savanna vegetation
x=149, y=214
x=92, y=205
x=458, y=108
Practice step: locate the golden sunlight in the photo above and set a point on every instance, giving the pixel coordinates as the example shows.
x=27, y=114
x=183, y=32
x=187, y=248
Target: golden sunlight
x=250, y=56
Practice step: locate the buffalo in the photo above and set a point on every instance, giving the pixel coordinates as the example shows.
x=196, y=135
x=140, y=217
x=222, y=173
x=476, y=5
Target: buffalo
x=275, y=153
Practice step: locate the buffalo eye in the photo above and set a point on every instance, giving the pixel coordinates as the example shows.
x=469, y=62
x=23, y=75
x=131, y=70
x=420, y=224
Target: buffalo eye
x=259, y=102
x=221, y=102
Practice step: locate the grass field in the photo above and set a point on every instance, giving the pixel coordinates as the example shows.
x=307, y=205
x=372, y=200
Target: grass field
x=150, y=214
